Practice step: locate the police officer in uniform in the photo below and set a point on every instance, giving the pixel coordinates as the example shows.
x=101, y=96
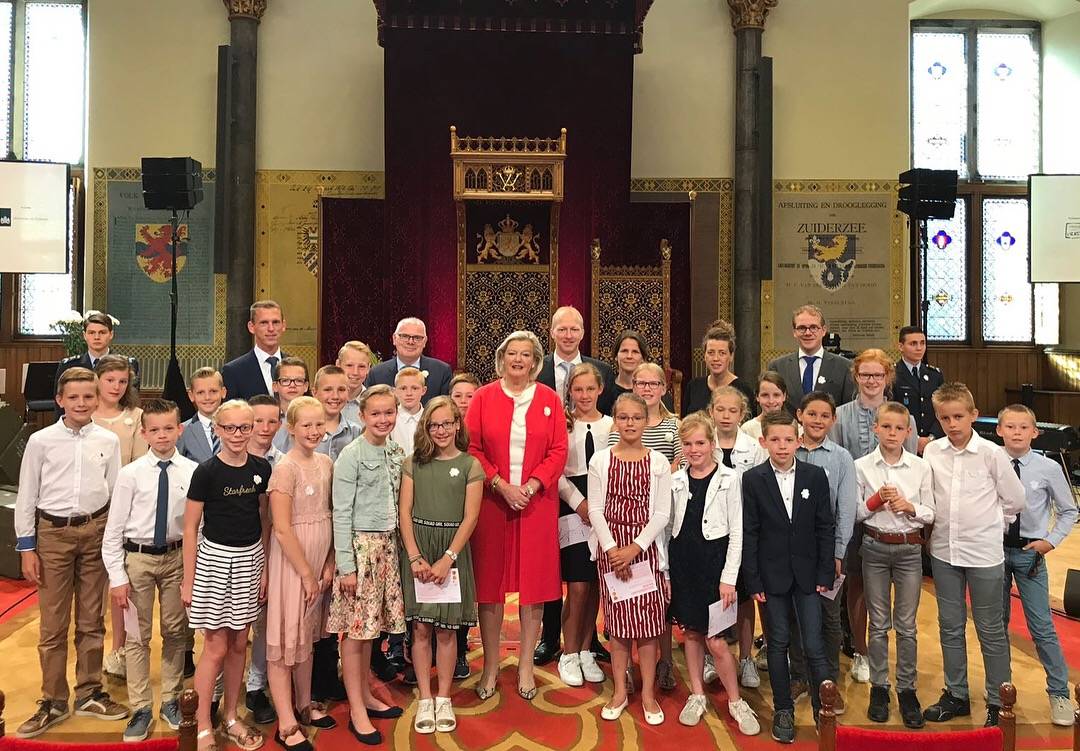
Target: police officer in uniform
x=916, y=382
x=98, y=335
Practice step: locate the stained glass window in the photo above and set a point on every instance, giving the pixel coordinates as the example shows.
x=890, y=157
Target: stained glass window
x=45, y=298
x=7, y=23
x=1006, y=293
x=54, y=78
x=939, y=94
x=945, y=267
x=1007, y=71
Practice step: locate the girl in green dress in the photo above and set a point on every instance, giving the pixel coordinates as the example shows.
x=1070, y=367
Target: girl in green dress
x=441, y=488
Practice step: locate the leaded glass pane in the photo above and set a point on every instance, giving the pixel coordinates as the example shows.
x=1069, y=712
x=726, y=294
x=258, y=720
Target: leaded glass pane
x=54, y=82
x=939, y=90
x=1006, y=291
x=1047, y=314
x=46, y=298
x=945, y=266
x=7, y=18
x=1008, y=94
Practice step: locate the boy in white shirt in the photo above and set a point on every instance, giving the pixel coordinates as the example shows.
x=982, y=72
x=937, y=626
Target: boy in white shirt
x=976, y=495
x=897, y=484
x=142, y=550
x=207, y=391
x=410, y=385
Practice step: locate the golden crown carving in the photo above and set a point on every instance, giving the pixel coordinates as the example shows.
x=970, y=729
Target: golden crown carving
x=750, y=13
x=507, y=168
x=246, y=8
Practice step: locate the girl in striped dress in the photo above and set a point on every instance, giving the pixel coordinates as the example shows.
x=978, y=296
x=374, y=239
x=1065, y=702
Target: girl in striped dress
x=225, y=573
x=629, y=507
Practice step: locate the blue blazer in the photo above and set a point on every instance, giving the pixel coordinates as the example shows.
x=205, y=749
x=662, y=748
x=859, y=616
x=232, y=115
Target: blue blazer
x=438, y=377
x=243, y=376
x=193, y=443
x=777, y=552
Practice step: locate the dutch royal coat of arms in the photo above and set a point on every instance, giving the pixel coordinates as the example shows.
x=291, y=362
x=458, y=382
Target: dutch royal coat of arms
x=831, y=259
x=508, y=245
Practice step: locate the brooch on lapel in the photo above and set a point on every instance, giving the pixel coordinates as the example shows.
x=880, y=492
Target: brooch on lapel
x=821, y=379
x=547, y=411
x=805, y=494
x=424, y=373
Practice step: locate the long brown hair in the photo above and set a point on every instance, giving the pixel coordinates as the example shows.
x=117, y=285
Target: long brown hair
x=108, y=364
x=424, y=447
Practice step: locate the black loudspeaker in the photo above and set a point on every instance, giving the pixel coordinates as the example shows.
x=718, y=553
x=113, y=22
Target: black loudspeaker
x=13, y=436
x=173, y=183
x=1071, y=596
x=927, y=193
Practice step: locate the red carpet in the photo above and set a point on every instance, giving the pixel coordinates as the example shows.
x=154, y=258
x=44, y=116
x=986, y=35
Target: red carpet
x=1068, y=631
x=16, y=595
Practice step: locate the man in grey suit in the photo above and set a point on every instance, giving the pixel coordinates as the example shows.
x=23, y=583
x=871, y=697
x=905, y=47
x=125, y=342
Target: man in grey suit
x=410, y=336
x=812, y=368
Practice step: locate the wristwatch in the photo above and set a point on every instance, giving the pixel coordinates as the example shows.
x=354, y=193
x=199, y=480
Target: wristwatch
x=451, y=555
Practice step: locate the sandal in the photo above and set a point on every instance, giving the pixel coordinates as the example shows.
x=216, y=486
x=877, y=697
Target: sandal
x=486, y=692
x=283, y=733
x=528, y=694
x=203, y=734
x=246, y=738
x=326, y=722
x=424, y=721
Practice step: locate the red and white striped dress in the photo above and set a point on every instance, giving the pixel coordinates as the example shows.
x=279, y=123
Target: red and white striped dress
x=626, y=510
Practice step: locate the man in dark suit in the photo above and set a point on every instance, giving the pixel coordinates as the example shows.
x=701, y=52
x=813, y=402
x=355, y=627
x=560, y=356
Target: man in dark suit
x=410, y=338
x=98, y=335
x=915, y=382
x=567, y=331
x=253, y=373
x=788, y=546
x=812, y=368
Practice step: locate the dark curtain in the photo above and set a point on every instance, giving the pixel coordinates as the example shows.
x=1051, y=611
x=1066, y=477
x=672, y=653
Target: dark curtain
x=498, y=84
x=649, y=224
x=354, y=277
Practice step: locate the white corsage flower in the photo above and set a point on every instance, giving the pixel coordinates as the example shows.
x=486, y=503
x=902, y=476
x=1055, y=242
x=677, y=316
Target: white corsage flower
x=257, y=479
x=309, y=490
x=128, y=421
x=547, y=411
x=821, y=379
x=669, y=436
x=424, y=373
x=805, y=493
x=454, y=471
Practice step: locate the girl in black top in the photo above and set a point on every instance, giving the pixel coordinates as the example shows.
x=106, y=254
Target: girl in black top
x=224, y=572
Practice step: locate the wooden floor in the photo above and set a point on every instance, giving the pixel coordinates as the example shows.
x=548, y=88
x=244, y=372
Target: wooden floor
x=20, y=681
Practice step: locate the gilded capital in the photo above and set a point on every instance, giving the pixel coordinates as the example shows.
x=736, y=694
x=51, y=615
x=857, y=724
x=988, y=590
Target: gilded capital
x=750, y=14
x=245, y=8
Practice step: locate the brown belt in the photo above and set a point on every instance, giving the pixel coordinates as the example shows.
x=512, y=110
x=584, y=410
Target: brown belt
x=73, y=521
x=895, y=538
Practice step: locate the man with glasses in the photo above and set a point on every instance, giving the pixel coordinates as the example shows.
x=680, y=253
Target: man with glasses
x=410, y=337
x=812, y=368
x=253, y=373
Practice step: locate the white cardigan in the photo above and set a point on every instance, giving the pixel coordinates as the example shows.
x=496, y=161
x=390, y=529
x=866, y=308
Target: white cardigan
x=659, y=504
x=723, y=513
x=746, y=453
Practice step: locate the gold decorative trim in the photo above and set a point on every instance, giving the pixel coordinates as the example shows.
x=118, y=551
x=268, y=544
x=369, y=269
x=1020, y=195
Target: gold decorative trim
x=499, y=168
x=750, y=14
x=681, y=184
x=245, y=9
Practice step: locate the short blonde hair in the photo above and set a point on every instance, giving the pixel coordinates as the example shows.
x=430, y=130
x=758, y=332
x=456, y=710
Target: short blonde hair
x=299, y=403
x=373, y=392
x=520, y=336
x=410, y=372
x=567, y=310
x=891, y=408
x=813, y=310
x=1018, y=409
x=355, y=345
x=231, y=405
x=323, y=372
x=697, y=421
x=206, y=373
x=953, y=392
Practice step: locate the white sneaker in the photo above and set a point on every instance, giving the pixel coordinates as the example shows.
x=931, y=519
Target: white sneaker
x=570, y=670
x=1061, y=710
x=761, y=659
x=590, y=671
x=694, y=710
x=741, y=712
x=860, y=668
x=709, y=675
x=424, y=722
x=115, y=664
x=445, y=721
x=748, y=674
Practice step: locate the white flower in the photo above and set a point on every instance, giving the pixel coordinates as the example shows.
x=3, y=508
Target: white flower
x=821, y=379
x=128, y=421
x=805, y=493
x=257, y=479
x=547, y=411
x=309, y=490
x=84, y=316
x=669, y=436
x=454, y=471
x=424, y=373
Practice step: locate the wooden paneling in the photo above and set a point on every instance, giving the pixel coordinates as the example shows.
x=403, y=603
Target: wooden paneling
x=989, y=371
x=12, y=357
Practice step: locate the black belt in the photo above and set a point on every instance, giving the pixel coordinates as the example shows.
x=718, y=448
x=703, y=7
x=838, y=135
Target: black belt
x=1019, y=543
x=78, y=520
x=134, y=547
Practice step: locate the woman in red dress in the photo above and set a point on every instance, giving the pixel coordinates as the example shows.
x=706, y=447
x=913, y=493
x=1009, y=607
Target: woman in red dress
x=517, y=430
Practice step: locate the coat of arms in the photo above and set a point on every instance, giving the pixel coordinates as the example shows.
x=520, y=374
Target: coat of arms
x=153, y=250
x=831, y=259
x=508, y=245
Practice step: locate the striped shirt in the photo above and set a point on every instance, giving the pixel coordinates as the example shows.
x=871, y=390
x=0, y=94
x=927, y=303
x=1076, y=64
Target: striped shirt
x=854, y=430
x=662, y=437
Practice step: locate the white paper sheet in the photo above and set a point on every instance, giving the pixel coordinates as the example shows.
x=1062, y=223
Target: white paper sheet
x=641, y=582
x=447, y=592
x=131, y=621
x=572, y=530
x=832, y=593
x=721, y=618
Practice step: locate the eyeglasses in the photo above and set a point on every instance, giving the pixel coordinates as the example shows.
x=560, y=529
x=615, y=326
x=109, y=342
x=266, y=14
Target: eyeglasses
x=630, y=418
x=292, y=381
x=871, y=376
x=649, y=384
x=812, y=329
x=234, y=429
x=442, y=427
x=411, y=338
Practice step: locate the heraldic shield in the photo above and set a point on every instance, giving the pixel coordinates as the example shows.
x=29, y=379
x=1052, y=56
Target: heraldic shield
x=831, y=259
x=153, y=250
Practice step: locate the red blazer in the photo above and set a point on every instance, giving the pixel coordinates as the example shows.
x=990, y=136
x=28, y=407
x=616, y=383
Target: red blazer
x=518, y=551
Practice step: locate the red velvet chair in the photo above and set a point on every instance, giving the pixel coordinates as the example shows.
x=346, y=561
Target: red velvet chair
x=835, y=737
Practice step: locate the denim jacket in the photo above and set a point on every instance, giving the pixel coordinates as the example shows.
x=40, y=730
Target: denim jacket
x=366, y=482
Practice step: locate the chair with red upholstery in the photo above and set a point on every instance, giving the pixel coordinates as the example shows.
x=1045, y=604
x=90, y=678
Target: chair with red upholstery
x=835, y=737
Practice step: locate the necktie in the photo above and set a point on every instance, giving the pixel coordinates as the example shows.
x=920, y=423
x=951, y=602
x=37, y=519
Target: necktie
x=271, y=362
x=161, y=520
x=1012, y=536
x=215, y=442
x=590, y=446
x=915, y=371
x=808, y=374
x=565, y=368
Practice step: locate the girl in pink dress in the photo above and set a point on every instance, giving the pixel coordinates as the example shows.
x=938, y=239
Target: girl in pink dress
x=301, y=570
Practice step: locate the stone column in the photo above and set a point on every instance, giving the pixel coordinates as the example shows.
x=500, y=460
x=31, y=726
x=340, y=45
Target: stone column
x=239, y=183
x=748, y=21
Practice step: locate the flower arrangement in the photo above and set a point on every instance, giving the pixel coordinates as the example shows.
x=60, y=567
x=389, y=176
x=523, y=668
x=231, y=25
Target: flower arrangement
x=70, y=328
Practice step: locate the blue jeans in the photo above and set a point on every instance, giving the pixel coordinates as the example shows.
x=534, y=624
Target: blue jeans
x=1035, y=599
x=807, y=608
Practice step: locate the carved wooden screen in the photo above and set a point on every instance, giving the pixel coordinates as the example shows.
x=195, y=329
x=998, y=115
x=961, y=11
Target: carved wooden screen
x=631, y=297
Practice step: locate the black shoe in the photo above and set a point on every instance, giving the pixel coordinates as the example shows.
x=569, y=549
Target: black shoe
x=992, y=712
x=304, y=745
x=545, y=653
x=390, y=713
x=878, y=711
x=599, y=651
x=408, y=676
x=383, y=669
x=783, y=726
x=368, y=739
x=303, y=716
x=461, y=668
x=395, y=655
x=947, y=707
x=189, y=664
x=262, y=711
x=910, y=711
x=759, y=641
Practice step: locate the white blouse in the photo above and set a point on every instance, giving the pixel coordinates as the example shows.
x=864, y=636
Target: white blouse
x=517, y=431
x=575, y=456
